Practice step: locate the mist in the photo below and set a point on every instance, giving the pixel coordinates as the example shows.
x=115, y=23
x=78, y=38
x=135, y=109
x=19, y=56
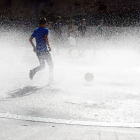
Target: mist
x=113, y=60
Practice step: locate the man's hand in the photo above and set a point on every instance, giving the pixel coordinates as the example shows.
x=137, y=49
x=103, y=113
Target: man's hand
x=49, y=48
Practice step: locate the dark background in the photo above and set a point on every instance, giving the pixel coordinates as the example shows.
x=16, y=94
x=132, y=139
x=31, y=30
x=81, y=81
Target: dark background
x=113, y=12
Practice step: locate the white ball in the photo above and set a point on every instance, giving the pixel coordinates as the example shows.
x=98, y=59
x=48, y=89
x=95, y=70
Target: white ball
x=89, y=77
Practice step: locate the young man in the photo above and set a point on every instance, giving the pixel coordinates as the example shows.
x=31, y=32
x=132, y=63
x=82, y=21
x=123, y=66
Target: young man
x=58, y=34
x=71, y=36
x=82, y=28
x=50, y=26
x=58, y=27
x=42, y=49
x=82, y=34
x=71, y=28
x=99, y=30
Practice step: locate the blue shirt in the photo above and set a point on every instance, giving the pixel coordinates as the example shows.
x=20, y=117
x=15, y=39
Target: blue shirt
x=39, y=35
x=58, y=28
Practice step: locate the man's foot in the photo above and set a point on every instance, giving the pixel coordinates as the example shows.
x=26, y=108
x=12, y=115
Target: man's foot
x=31, y=74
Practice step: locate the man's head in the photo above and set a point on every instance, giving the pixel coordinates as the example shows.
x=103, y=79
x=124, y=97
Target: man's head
x=101, y=22
x=59, y=19
x=83, y=21
x=50, y=25
x=42, y=22
x=72, y=22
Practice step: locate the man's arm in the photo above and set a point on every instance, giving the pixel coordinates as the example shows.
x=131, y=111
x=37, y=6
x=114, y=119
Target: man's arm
x=47, y=41
x=31, y=41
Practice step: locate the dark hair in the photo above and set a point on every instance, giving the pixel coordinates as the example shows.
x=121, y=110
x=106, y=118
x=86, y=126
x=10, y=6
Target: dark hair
x=42, y=21
x=59, y=18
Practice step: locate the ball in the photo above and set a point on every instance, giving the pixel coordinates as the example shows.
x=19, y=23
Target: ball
x=89, y=77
